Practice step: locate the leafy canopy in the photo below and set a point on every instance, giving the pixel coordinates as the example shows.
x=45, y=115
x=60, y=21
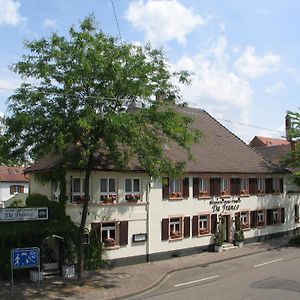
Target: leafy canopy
x=80, y=89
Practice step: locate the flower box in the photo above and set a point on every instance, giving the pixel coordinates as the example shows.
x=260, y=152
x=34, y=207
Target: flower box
x=203, y=194
x=245, y=225
x=133, y=197
x=108, y=198
x=109, y=243
x=203, y=231
x=175, y=235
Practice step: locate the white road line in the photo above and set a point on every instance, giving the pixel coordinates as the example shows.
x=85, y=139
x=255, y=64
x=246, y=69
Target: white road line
x=268, y=262
x=199, y=280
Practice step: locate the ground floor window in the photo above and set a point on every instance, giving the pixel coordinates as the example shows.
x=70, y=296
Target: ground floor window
x=244, y=219
x=16, y=189
x=175, y=228
x=261, y=218
x=275, y=216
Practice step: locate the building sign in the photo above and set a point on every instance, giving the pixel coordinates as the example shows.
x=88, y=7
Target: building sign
x=223, y=205
x=140, y=237
x=23, y=214
x=25, y=258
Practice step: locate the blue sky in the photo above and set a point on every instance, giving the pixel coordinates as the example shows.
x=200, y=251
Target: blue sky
x=244, y=55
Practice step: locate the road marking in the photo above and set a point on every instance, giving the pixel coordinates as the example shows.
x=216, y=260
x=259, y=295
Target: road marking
x=268, y=262
x=199, y=280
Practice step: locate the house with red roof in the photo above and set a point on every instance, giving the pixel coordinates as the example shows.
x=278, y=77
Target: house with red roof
x=139, y=219
x=13, y=182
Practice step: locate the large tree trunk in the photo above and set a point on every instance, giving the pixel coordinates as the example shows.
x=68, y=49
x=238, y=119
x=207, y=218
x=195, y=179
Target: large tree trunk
x=83, y=221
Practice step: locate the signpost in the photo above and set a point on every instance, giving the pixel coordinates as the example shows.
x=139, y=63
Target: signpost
x=23, y=214
x=22, y=258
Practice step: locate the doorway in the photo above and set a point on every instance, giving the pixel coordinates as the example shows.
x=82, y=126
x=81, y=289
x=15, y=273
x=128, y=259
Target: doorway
x=226, y=225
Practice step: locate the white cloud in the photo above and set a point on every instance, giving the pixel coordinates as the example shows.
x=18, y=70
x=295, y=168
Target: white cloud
x=9, y=12
x=222, y=27
x=252, y=66
x=49, y=23
x=163, y=21
x=274, y=88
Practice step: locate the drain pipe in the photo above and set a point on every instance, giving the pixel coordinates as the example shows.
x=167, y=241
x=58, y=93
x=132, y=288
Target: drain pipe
x=148, y=221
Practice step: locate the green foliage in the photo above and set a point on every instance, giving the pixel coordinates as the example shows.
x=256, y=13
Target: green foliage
x=239, y=232
x=18, y=203
x=93, y=253
x=219, y=235
x=295, y=241
x=32, y=233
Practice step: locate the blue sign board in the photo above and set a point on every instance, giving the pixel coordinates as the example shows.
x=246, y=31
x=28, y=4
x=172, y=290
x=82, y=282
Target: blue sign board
x=25, y=258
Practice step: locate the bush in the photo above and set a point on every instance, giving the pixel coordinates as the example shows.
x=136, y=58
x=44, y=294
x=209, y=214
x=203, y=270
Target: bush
x=219, y=236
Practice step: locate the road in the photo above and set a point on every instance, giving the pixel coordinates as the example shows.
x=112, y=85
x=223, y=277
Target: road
x=270, y=275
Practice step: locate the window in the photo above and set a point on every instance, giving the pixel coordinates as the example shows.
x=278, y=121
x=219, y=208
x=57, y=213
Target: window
x=244, y=186
x=108, y=190
x=203, y=187
x=203, y=224
x=175, y=188
x=260, y=186
x=225, y=186
x=260, y=218
x=108, y=234
x=78, y=188
x=132, y=189
x=175, y=228
x=16, y=189
x=276, y=185
x=275, y=216
x=244, y=218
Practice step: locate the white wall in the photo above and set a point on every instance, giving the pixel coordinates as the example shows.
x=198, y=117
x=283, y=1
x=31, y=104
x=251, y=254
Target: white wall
x=5, y=189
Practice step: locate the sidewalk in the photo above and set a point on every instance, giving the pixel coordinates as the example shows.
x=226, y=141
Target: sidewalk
x=129, y=280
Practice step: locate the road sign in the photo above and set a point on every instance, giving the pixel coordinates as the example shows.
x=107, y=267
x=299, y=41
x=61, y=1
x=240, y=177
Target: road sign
x=25, y=258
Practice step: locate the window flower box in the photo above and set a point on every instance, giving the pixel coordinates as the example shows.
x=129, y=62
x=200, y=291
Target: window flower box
x=261, y=224
x=245, y=225
x=225, y=193
x=203, y=194
x=109, y=243
x=176, y=195
x=203, y=231
x=175, y=235
x=133, y=197
x=108, y=198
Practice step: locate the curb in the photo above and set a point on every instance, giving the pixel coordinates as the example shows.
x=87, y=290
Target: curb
x=162, y=279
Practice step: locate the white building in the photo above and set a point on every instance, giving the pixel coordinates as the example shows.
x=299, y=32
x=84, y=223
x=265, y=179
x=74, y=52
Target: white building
x=139, y=219
x=12, y=182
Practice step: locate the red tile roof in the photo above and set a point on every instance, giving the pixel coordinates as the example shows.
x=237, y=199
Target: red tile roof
x=220, y=151
x=261, y=141
x=12, y=174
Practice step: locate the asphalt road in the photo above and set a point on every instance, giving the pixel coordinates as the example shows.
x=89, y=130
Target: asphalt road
x=270, y=275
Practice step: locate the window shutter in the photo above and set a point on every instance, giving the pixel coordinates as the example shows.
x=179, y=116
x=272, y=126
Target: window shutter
x=296, y=213
x=195, y=226
x=238, y=186
x=253, y=219
x=164, y=229
x=165, y=186
x=252, y=186
x=195, y=187
x=186, y=228
x=123, y=233
x=214, y=223
x=22, y=189
x=269, y=186
x=12, y=189
x=235, y=186
x=282, y=215
x=215, y=186
x=269, y=216
x=185, y=189
x=281, y=185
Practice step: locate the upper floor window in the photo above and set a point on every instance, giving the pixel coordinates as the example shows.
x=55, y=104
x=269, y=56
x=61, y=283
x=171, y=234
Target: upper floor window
x=225, y=186
x=16, y=189
x=203, y=187
x=175, y=187
x=244, y=186
x=108, y=190
x=132, y=189
x=276, y=185
x=78, y=188
x=260, y=185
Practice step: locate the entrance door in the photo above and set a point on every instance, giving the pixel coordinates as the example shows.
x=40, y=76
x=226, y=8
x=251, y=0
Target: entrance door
x=225, y=222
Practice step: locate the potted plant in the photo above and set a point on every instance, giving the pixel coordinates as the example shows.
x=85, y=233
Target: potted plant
x=219, y=238
x=239, y=234
x=109, y=243
x=70, y=257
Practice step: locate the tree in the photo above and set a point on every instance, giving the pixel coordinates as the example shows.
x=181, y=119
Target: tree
x=82, y=87
x=293, y=160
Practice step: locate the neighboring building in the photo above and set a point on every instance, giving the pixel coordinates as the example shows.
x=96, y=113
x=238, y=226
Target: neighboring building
x=262, y=141
x=12, y=182
x=139, y=219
